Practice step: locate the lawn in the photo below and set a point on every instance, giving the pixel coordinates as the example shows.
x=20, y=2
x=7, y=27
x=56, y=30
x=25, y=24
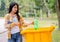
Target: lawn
x=56, y=36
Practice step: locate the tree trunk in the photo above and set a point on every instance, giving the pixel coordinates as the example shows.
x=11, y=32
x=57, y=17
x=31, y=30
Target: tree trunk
x=41, y=15
x=58, y=11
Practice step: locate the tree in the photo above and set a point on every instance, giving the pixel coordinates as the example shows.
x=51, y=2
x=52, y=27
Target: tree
x=58, y=11
x=11, y=0
x=2, y=5
x=51, y=4
x=39, y=6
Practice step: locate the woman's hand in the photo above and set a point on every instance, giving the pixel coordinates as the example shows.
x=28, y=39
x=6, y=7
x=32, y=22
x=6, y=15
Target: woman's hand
x=25, y=25
x=17, y=24
x=12, y=25
x=32, y=23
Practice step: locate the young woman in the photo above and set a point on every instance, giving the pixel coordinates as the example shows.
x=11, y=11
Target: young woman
x=14, y=23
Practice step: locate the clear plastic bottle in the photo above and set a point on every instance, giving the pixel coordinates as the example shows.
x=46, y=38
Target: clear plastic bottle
x=35, y=24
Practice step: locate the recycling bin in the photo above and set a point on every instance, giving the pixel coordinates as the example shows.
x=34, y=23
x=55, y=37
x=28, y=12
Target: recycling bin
x=42, y=34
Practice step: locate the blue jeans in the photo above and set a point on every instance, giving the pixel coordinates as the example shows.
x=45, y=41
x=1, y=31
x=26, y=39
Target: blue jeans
x=17, y=37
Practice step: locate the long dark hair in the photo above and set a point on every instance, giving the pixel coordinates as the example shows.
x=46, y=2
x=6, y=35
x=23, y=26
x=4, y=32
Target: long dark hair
x=12, y=4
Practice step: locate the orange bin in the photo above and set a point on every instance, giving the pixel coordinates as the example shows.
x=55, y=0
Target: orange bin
x=43, y=34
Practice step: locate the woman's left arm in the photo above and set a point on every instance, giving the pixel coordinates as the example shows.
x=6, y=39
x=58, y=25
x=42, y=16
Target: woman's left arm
x=24, y=23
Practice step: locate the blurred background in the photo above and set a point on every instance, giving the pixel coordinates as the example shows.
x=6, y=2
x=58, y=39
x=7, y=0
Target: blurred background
x=46, y=11
x=31, y=8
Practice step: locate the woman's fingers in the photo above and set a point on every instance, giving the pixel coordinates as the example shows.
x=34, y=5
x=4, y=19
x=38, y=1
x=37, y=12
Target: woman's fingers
x=25, y=24
x=32, y=22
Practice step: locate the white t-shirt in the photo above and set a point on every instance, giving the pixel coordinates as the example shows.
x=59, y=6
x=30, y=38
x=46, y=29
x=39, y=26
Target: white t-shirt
x=15, y=29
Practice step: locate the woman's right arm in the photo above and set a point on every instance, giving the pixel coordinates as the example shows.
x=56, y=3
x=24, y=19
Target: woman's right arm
x=7, y=17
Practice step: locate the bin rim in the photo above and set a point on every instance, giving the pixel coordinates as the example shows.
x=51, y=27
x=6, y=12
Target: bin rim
x=41, y=29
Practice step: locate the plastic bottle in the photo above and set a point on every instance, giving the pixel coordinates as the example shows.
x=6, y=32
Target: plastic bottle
x=35, y=24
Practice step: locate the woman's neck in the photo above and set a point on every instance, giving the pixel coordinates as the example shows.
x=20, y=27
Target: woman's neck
x=12, y=13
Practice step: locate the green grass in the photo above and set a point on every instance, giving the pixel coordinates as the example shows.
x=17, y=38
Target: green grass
x=56, y=36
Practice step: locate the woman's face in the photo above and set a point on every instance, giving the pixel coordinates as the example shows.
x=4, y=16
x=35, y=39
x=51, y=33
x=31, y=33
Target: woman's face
x=14, y=9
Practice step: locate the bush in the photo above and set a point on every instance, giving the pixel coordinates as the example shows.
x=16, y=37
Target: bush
x=31, y=15
x=2, y=13
x=38, y=15
x=24, y=15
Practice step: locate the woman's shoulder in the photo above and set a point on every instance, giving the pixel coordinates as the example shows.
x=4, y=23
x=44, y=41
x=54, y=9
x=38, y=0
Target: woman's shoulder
x=21, y=17
x=20, y=14
x=7, y=16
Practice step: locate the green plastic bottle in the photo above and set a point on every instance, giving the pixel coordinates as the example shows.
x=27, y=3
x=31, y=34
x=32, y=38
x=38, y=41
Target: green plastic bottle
x=35, y=24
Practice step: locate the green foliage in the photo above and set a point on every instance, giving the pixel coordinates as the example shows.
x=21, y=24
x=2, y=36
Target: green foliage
x=38, y=3
x=2, y=13
x=31, y=15
x=2, y=5
x=26, y=5
x=51, y=5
